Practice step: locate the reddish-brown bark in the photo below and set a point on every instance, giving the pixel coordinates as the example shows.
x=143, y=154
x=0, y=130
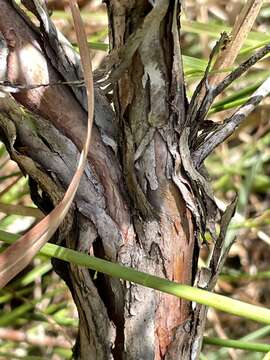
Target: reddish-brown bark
x=62, y=4
x=133, y=212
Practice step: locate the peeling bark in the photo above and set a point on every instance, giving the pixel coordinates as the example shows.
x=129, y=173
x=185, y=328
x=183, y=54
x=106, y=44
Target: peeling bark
x=150, y=103
x=135, y=205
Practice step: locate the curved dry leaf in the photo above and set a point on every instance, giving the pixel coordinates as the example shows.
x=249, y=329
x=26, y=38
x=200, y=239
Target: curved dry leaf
x=18, y=255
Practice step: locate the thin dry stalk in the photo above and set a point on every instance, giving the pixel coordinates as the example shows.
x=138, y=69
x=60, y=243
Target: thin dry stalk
x=236, y=39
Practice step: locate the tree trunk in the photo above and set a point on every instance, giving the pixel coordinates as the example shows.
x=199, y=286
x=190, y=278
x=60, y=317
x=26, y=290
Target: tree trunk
x=132, y=205
x=150, y=104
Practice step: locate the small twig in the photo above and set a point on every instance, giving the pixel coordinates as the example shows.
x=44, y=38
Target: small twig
x=221, y=249
x=241, y=70
x=202, y=86
x=225, y=51
x=213, y=92
x=237, y=37
x=230, y=124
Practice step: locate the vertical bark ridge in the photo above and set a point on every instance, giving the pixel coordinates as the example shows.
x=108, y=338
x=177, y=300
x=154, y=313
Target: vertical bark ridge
x=149, y=98
x=132, y=211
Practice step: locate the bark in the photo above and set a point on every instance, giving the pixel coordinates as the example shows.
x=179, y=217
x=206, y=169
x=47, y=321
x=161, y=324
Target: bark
x=150, y=103
x=135, y=202
x=62, y=4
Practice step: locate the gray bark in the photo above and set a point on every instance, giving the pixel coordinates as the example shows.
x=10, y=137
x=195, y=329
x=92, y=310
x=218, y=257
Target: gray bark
x=141, y=202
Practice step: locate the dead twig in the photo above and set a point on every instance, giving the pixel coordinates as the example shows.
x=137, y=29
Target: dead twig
x=236, y=39
x=213, y=91
x=214, y=139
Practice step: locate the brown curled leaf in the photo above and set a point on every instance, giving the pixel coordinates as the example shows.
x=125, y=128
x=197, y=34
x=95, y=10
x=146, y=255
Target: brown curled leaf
x=18, y=255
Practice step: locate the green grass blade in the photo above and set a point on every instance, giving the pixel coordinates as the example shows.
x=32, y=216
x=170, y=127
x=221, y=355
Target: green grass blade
x=237, y=344
x=190, y=293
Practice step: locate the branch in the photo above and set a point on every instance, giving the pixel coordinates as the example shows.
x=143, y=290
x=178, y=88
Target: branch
x=230, y=124
x=213, y=92
x=237, y=37
x=199, y=93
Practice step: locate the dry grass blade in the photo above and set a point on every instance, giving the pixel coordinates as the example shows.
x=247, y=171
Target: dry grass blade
x=236, y=39
x=18, y=255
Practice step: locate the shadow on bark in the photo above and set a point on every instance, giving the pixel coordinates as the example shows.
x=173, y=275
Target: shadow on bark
x=138, y=203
